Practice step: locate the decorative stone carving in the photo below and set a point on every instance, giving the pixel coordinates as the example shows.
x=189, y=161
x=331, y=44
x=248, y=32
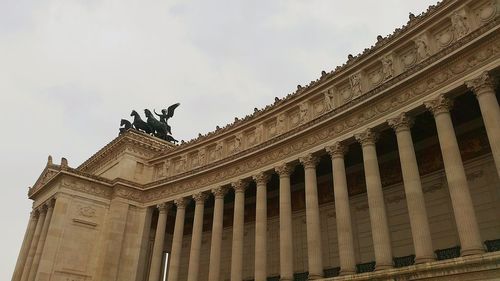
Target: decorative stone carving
x=387, y=67
x=219, y=153
x=422, y=49
x=304, y=112
x=200, y=197
x=202, y=156
x=259, y=133
x=355, y=81
x=281, y=123
x=87, y=211
x=309, y=161
x=163, y=207
x=481, y=83
x=220, y=192
x=439, y=105
x=237, y=142
x=329, y=99
x=261, y=178
x=239, y=186
x=284, y=170
x=368, y=137
x=487, y=11
x=401, y=123
x=336, y=150
x=181, y=203
x=459, y=24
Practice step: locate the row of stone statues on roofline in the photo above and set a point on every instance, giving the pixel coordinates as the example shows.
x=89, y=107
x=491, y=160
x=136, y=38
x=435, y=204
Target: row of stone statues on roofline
x=152, y=126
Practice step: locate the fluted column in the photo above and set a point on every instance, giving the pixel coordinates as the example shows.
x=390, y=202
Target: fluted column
x=23, y=253
x=157, y=256
x=421, y=234
x=342, y=210
x=376, y=204
x=465, y=217
x=314, y=249
x=285, y=202
x=175, y=255
x=238, y=230
x=41, y=242
x=484, y=90
x=194, y=254
x=261, y=227
x=34, y=243
x=216, y=244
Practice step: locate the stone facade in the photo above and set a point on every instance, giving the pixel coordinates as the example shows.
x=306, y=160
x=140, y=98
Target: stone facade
x=386, y=168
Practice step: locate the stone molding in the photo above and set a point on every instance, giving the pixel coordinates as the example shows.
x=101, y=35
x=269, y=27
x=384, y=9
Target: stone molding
x=439, y=105
x=402, y=122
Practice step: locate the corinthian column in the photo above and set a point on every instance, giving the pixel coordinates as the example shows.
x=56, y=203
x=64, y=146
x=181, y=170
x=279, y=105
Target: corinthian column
x=468, y=230
x=238, y=230
x=376, y=204
x=215, y=246
x=155, y=271
x=261, y=227
x=23, y=253
x=34, y=243
x=41, y=242
x=314, y=250
x=175, y=256
x=286, y=245
x=342, y=209
x=194, y=255
x=484, y=90
x=421, y=234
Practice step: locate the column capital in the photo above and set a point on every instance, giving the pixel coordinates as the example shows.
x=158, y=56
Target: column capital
x=181, y=203
x=51, y=203
x=336, y=150
x=219, y=192
x=284, y=170
x=42, y=209
x=239, y=185
x=481, y=84
x=163, y=207
x=402, y=122
x=439, y=105
x=368, y=137
x=261, y=178
x=200, y=197
x=309, y=161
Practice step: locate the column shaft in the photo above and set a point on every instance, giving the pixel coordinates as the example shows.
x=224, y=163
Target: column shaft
x=465, y=217
x=421, y=234
x=194, y=255
x=314, y=249
x=175, y=256
x=376, y=203
x=41, y=243
x=25, y=247
x=157, y=256
x=285, y=205
x=261, y=228
x=34, y=244
x=238, y=231
x=342, y=210
x=216, y=244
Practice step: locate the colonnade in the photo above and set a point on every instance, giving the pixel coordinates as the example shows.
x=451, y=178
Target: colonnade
x=34, y=243
x=464, y=214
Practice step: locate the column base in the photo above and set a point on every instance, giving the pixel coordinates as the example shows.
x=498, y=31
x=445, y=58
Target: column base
x=468, y=252
x=382, y=266
x=314, y=277
x=425, y=259
x=286, y=279
x=346, y=272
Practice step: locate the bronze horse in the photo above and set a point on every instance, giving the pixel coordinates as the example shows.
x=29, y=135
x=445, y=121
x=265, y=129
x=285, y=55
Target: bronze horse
x=139, y=124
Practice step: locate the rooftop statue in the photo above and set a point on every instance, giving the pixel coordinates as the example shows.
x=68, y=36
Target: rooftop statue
x=152, y=126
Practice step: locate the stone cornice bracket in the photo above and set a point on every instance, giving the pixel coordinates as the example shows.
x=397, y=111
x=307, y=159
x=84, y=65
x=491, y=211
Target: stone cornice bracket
x=337, y=150
x=200, y=197
x=219, y=192
x=402, y=122
x=181, y=203
x=439, y=105
x=163, y=207
x=239, y=186
x=368, y=137
x=309, y=161
x=284, y=170
x=261, y=178
x=481, y=84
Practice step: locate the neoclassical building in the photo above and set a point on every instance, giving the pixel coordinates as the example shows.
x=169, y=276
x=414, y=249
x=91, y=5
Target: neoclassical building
x=387, y=168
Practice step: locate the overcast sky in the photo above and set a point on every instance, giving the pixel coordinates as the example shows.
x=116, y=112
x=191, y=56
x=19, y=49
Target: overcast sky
x=71, y=69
